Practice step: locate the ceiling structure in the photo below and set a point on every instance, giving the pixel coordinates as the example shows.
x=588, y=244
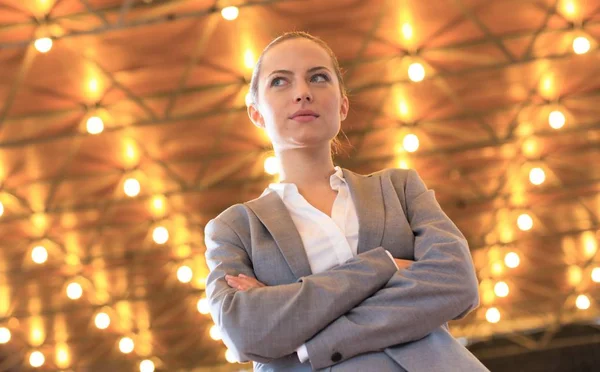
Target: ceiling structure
x=168, y=79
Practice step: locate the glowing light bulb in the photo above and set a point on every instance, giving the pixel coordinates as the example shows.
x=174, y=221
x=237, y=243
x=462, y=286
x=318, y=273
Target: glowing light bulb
x=492, y=315
x=185, y=274
x=160, y=235
x=39, y=255
x=582, y=302
x=102, y=320
x=43, y=45
x=525, y=222
x=215, y=333
x=249, y=60
x=74, y=291
x=37, y=359
x=537, y=176
x=416, y=72
x=407, y=31
x=1, y=209
x=512, y=260
x=271, y=165
x=230, y=357
x=410, y=143
x=126, y=345
x=203, y=306
x=596, y=275
x=4, y=335
x=501, y=289
x=132, y=187
x=581, y=45
x=556, y=119
x=230, y=13
x=94, y=125
x=147, y=366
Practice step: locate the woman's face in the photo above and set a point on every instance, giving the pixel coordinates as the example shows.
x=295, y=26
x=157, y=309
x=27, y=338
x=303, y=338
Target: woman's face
x=299, y=99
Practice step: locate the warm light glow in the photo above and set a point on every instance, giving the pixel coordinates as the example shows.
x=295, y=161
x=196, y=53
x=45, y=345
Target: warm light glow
x=39, y=254
x=160, y=235
x=596, y=274
x=147, y=366
x=1, y=209
x=159, y=203
x=537, y=176
x=62, y=356
x=501, y=289
x=131, y=152
x=249, y=60
x=4, y=335
x=512, y=260
x=271, y=165
x=582, y=302
x=492, y=315
x=94, y=125
x=230, y=357
x=102, y=320
x=574, y=275
x=407, y=31
x=410, y=142
x=248, y=99
x=37, y=359
x=43, y=45
x=581, y=45
x=132, y=187
x=230, y=13
x=126, y=345
x=556, y=119
x=203, y=306
x=74, y=291
x=569, y=7
x=184, y=274
x=215, y=333
x=525, y=222
x=416, y=72
x=590, y=244
x=497, y=268
x=403, y=164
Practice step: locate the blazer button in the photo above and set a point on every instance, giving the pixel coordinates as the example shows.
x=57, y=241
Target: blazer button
x=336, y=357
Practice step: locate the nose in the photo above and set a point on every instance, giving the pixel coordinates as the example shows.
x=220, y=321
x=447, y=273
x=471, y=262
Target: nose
x=303, y=94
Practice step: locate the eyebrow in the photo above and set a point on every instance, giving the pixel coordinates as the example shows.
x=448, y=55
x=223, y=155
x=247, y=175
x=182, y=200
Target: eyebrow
x=287, y=72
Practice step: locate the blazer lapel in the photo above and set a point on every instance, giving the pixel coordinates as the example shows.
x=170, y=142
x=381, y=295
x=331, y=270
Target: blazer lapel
x=368, y=198
x=271, y=211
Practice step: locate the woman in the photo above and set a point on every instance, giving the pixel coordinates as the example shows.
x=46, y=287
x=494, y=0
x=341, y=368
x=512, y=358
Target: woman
x=328, y=269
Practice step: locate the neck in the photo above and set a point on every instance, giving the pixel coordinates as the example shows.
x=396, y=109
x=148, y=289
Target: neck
x=306, y=167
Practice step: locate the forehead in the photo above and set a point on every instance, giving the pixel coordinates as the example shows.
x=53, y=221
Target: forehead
x=296, y=55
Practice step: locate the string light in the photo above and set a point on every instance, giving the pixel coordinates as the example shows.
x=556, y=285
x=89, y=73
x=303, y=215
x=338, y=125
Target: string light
x=230, y=357
x=501, y=289
x=74, y=291
x=147, y=366
x=102, y=320
x=37, y=359
x=132, y=187
x=537, y=176
x=203, y=306
x=215, y=333
x=407, y=31
x=271, y=165
x=126, y=345
x=185, y=274
x=582, y=302
x=43, y=45
x=39, y=255
x=1, y=209
x=410, y=142
x=160, y=235
x=416, y=72
x=525, y=222
x=596, y=275
x=230, y=13
x=94, y=125
x=512, y=260
x=492, y=315
x=4, y=335
x=581, y=45
x=556, y=119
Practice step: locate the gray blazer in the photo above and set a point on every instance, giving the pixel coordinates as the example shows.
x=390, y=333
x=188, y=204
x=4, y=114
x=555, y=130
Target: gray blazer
x=361, y=313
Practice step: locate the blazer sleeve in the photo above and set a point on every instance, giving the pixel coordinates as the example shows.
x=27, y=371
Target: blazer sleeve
x=270, y=322
x=441, y=285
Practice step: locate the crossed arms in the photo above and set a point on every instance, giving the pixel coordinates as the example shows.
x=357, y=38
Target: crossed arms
x=361, y=306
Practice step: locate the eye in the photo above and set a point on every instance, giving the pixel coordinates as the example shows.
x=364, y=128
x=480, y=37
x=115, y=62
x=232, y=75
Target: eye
x=277, y=81
x=323, y=78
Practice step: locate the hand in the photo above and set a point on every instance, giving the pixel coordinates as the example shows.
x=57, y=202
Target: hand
x=243, y=282
x=403, y=264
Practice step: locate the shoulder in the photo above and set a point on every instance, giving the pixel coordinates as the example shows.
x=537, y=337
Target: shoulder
x=238, y=216
x=398, y=176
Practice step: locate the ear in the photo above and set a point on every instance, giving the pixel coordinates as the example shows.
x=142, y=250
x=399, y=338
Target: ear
x=344, y=107
x=255, y=116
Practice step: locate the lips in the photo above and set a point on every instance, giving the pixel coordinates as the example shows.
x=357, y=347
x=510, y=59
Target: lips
x=304, y=115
